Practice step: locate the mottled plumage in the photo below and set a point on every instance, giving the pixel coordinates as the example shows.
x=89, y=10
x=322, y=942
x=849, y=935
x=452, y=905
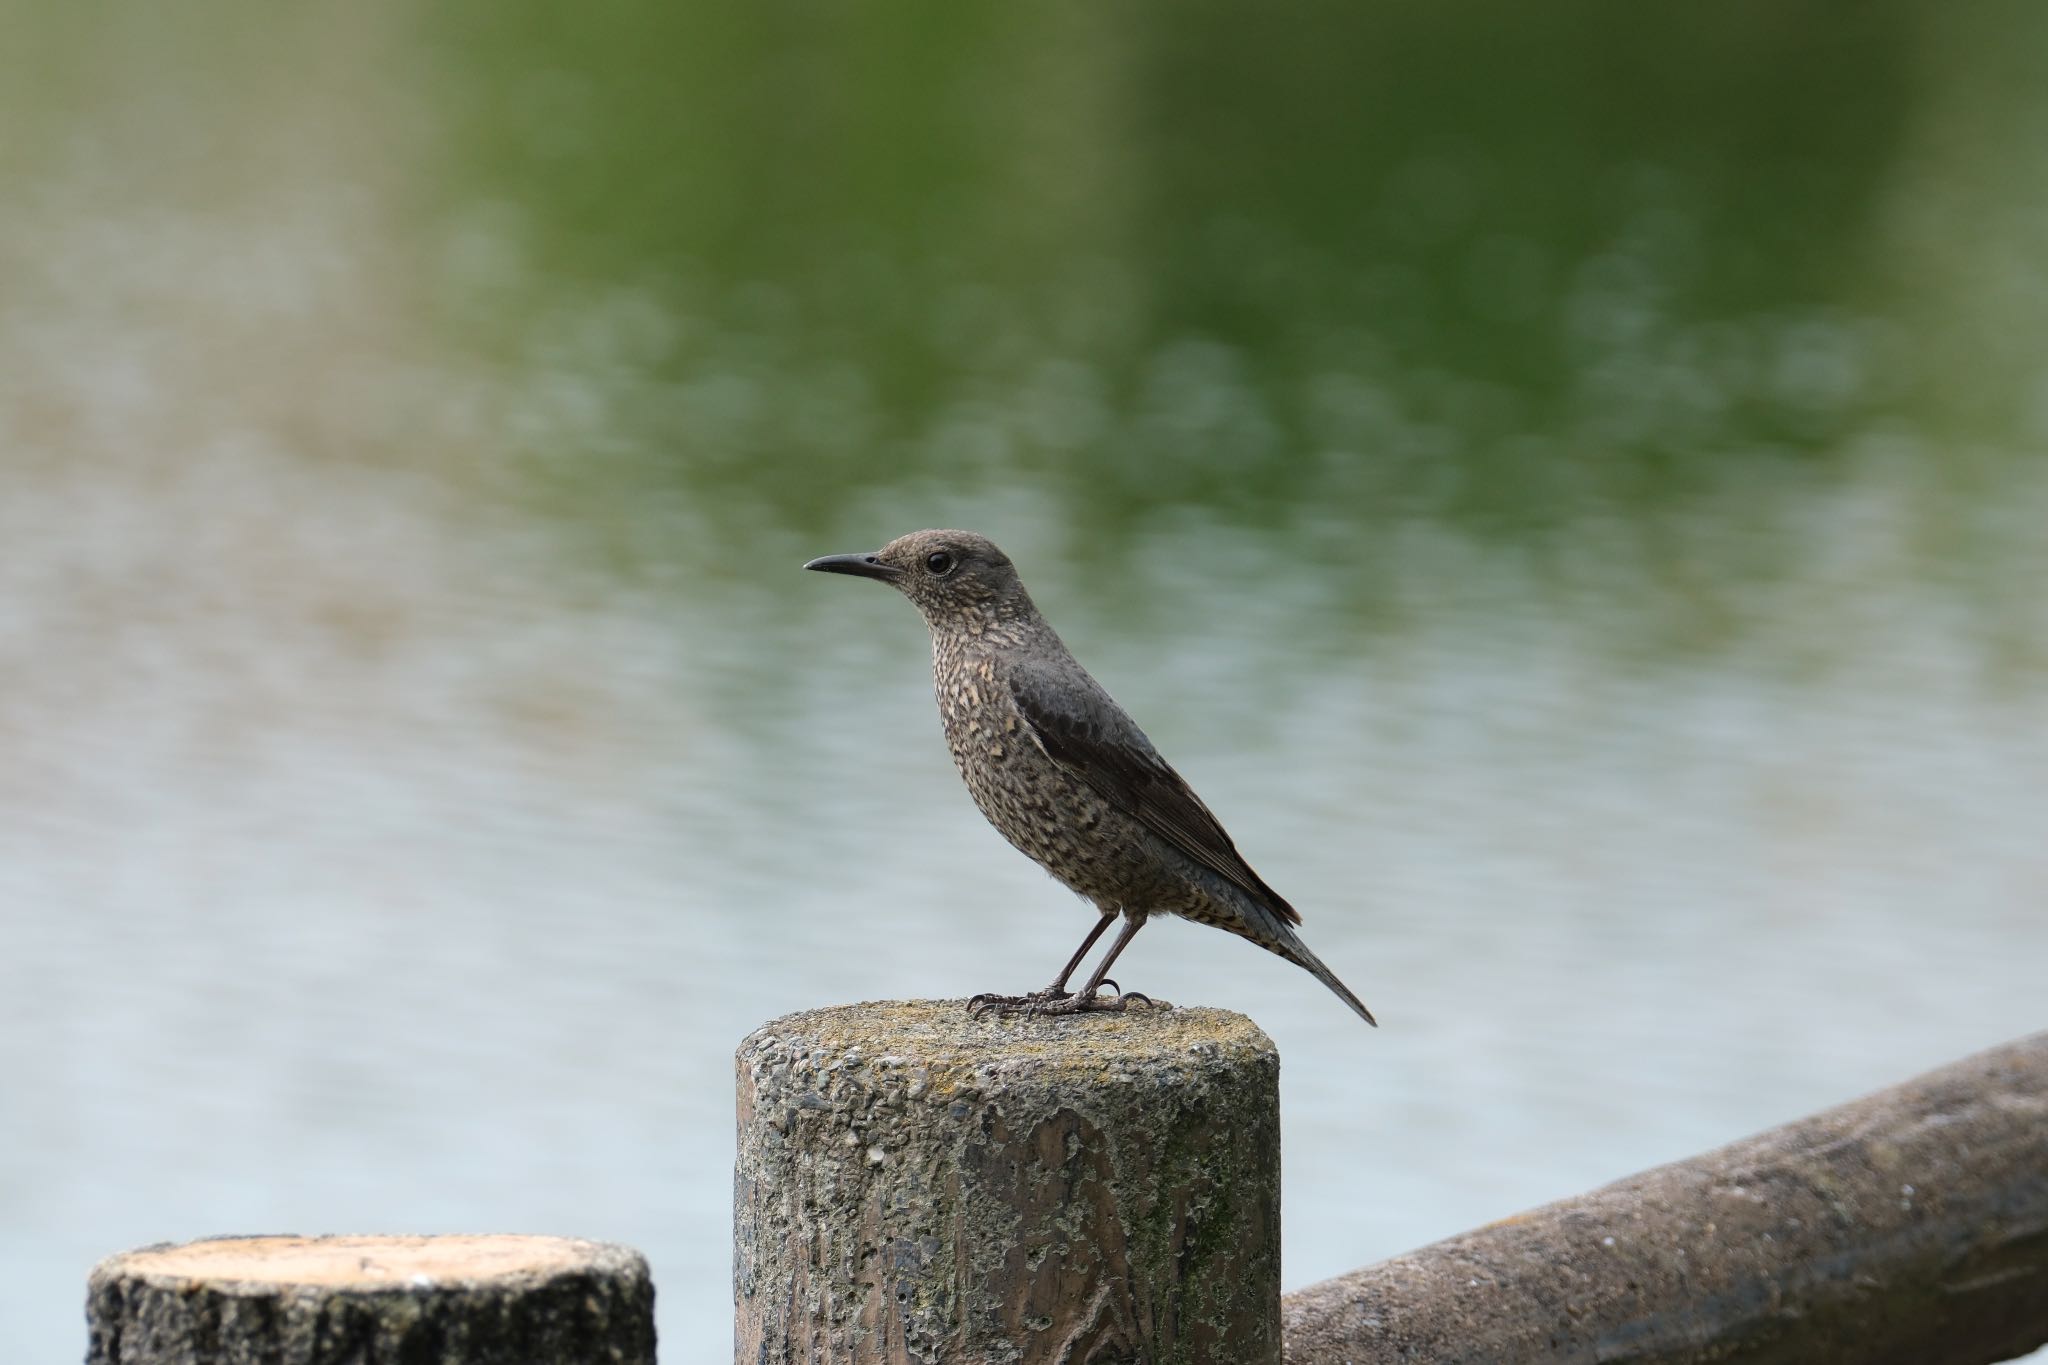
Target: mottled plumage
x=1064, y=773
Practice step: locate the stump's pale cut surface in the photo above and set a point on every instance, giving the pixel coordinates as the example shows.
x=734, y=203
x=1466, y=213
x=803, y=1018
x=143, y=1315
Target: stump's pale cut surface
x=471, y=1300
x=918, y=1185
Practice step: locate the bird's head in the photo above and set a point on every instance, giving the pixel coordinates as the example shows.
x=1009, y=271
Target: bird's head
x=946, y=573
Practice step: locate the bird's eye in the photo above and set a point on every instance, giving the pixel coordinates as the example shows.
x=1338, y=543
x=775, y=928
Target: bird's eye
x=939, y=562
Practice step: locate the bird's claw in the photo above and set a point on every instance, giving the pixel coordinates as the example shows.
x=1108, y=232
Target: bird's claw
x=1051, y=1001
x=1038, y=1002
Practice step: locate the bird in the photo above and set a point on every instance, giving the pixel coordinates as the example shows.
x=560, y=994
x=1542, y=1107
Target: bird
x=1064, y=773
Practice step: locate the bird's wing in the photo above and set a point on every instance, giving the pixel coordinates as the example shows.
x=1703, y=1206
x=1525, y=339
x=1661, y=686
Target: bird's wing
x=1084, y=731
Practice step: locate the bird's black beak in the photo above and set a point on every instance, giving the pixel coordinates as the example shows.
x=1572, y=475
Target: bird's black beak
x=860, y=566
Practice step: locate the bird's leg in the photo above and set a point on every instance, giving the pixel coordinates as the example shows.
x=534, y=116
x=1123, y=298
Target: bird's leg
x=1056, y=991
x=1059, y=983
x=1086, y=999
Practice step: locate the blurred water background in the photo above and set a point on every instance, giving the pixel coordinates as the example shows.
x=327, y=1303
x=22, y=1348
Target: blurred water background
x=1565, y=482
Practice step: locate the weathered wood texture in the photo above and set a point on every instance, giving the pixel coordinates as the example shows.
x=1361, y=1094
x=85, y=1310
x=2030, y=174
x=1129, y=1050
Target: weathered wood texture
x=1907, y=1228
x=918, y=1185
x=488, y=1300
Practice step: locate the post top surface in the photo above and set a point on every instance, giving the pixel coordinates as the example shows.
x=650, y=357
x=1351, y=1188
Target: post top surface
x=364, y=1262
x=943, y=1032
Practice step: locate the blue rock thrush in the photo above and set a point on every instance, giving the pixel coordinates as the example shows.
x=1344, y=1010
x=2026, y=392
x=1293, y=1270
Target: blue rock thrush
x=1064, y=774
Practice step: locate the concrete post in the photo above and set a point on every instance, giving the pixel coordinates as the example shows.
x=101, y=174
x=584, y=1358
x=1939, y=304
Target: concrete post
x=918, y=1185
x=325, y=1300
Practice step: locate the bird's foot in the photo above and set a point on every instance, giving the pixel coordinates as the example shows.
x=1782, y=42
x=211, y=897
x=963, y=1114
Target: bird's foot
x=1115, y=1001
x=1053, y=1001
x=1038, y=1002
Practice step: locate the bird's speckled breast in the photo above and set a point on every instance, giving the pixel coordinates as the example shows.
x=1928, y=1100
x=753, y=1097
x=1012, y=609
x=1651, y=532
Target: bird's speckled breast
x=1044, y=811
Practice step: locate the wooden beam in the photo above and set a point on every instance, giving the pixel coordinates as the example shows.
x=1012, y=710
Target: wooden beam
x=1909, y=1227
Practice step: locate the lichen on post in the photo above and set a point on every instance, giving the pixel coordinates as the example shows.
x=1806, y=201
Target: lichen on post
x=915, y=1184
x=287, y=1300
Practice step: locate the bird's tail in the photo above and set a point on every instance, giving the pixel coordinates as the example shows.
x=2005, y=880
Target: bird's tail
x=1297, y=952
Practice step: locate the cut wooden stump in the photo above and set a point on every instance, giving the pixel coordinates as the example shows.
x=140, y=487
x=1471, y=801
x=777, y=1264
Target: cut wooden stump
x=472, y=1300
x=918, y=1185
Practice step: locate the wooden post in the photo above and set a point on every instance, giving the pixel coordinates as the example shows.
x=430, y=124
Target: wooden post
x=915, y=1184
x=326, y=1300
x=1909, y=1227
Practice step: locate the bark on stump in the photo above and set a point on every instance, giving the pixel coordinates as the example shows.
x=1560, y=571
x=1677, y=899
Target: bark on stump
x=491, y=1300
x=918, y=1185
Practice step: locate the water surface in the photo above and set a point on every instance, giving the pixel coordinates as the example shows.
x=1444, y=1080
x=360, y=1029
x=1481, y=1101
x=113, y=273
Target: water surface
x=1576, y=520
